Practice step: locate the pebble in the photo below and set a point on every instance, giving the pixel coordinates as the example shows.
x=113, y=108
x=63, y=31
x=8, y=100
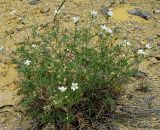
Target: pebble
x=10, y=31
x=104, y=10
x=18, y=29
x=158, y=58
x=44, y=9
x=157, y=11
x=33, y=2
x=139, y=74
x=123, y=1
x=140, y=13
x=158, y=34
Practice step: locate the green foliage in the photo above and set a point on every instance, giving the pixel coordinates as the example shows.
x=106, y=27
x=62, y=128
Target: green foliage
x=68, y=71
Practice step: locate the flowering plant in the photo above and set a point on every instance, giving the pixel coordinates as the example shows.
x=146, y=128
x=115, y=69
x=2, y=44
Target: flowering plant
x=66, y=72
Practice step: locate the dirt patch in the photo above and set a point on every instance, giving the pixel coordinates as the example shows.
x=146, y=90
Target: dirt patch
x=121, y=15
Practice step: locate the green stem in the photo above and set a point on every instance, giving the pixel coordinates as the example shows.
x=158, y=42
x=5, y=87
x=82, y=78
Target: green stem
x=59, y=8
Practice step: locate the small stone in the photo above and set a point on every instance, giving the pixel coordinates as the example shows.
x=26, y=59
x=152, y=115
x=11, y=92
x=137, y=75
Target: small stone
x=123, y=1
x=157, y=57
x=33, y=2
x=18, y=29
x=104, y=10
x=140, y=74
x=140, y=13
x=10, y=31
x=44, y=9
x=157, y=11
x=158, y=34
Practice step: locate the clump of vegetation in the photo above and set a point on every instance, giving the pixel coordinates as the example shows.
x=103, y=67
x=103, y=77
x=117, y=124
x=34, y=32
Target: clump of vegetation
x=65, y=72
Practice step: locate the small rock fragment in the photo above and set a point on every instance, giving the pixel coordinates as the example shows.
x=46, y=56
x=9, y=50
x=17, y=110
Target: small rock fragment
x=157, y=57
x=114, y=127
x=44, y=9
x=139, y=74
x=158, y=34
x=123, y=1
x=107, y=11
x=140, y=13
x=33, y=2
x=10, y=31
x=157, y=11
x=18, y=29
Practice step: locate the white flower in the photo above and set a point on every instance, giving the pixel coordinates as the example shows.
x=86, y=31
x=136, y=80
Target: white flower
x=110, y=13
x=94, y=13
x=106, y=29
x=66, y=96
x=128, y=43
x=57, y=11
x=103, y=27
x=33, y=45
x=125, y=43
x=75, y=19
x=148, y=46
x=74, y=86
x=62, y=89
x=27, y=62
x=141, y=52
x=1, y=48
